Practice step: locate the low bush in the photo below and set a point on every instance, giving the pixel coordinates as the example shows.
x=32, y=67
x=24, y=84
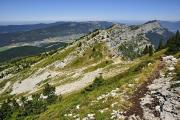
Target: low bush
x=96, y=83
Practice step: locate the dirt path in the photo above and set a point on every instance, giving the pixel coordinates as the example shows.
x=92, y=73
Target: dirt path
x=136, y=109
x=156, y=99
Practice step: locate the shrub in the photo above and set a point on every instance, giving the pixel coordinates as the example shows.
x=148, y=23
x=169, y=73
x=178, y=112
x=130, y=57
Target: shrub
x=36, y=96
x=5, y=111
x=51, y=99
x=80, y=44
x=96, y=83
x=48, y=90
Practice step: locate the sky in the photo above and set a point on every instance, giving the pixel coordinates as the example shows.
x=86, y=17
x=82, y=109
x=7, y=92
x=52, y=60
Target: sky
x=88, y=10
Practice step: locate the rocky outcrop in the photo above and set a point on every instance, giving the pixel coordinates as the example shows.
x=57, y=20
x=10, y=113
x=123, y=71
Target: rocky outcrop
x=29, y=84
x=79, y=84
x=128, y=41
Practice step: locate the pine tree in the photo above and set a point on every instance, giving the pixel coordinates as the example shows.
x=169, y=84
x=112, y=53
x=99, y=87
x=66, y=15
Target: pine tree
x=160, y=46
x=177, y=34
x=177, y=41
x=146, y=50
x=150, y=50
x=173, y=43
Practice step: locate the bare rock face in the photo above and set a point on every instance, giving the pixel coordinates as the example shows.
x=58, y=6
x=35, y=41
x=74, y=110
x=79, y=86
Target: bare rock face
x=130, y=41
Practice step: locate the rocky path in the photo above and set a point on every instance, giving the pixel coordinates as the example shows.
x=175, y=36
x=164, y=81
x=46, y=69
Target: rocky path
x=155, y=99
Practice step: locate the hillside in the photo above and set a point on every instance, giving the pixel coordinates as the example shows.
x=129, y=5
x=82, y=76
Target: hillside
x=130, y=41
x=103, y=75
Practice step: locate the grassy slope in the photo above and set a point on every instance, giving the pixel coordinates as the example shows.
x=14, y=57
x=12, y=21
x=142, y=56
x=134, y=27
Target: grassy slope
x=121, y=81
x=90, y=56
x=40, y=63
x=70, y=101
x=44, y=61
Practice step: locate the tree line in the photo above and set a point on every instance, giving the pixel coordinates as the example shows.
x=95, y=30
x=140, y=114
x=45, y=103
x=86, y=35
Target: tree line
x=173, y=45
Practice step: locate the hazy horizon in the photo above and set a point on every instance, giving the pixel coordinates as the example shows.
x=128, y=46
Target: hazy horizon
x=130, y=22
x=33, y=11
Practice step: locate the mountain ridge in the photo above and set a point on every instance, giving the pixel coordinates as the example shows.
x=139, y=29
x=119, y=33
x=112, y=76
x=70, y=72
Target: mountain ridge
x=94, y=77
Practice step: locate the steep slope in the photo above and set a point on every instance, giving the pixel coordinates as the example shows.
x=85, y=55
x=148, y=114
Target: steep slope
x=116, y=97
x=160, y=33
x=101, y=45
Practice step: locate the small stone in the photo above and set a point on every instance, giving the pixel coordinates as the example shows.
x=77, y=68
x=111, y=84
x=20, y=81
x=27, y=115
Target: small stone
x=113, y=104
x=102, y=111
x=149, y=64
x=157, y=108
x=113, y=94
x=171, y=68
x=77, y=107
x=69, y=115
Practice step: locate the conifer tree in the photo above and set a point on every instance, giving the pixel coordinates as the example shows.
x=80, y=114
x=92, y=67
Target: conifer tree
x=160, y=46
x=150, y=50
x=146, y=50
x=173, y=43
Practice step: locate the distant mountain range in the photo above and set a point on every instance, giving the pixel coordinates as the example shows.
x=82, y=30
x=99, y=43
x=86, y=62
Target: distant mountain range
x=34, y=39
x=170, y=25
x=59, y=31
x=39, y=32
x=29, y=27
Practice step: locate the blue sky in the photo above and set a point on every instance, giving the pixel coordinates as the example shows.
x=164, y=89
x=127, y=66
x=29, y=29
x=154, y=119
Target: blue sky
x=75, y=10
